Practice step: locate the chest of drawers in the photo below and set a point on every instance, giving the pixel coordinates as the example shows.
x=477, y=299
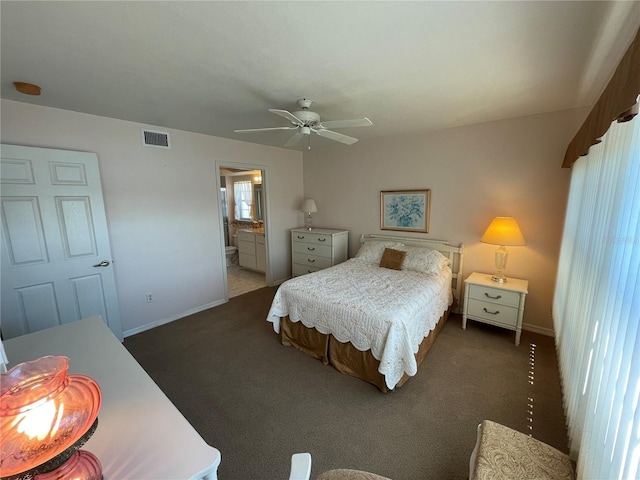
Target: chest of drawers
x=497, y=304
x=317, y=249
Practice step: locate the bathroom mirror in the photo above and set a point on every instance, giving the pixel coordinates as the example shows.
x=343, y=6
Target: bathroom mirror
x=257, y=202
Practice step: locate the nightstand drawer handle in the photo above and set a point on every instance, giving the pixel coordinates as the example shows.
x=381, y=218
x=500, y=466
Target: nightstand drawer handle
x=492, y=313
x=495, y=298
x=322, y=239
x=300, y=237
x=310, y=260
x=311, y=248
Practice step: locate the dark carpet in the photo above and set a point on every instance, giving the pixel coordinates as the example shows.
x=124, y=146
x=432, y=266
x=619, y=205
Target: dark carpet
x=259, y=402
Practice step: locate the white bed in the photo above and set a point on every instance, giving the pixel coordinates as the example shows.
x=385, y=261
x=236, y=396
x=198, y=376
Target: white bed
x=382, y=312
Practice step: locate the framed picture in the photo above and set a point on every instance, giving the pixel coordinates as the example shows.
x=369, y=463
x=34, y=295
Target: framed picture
x=405, y=210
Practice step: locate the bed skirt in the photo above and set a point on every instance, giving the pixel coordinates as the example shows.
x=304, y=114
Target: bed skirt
x=344, y=357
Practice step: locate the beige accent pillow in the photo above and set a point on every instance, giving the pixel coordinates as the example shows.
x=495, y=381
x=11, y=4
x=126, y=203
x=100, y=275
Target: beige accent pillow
x=392, y=259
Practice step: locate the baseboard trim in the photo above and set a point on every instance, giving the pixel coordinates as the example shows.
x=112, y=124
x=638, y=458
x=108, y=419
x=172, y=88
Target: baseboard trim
x=157, y=323
x=535, y=329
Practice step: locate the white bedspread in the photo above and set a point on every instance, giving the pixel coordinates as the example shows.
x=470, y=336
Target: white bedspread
x=387, y=311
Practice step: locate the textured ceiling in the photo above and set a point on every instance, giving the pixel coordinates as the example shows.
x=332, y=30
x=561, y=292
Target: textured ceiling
x=212, y=67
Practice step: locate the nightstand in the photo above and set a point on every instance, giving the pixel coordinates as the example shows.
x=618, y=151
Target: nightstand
x=500, y=304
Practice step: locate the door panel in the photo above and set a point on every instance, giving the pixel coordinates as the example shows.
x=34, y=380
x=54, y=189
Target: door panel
x=23, y=230
x=76, y=226
x=38, y=307
x=54, y=241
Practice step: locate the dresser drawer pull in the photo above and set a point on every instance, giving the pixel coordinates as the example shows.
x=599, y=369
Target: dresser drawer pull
x=495, y=298
x=322, y=239
x=492, y=313
x=310, y=260
x=311, y=248
x=300, y=237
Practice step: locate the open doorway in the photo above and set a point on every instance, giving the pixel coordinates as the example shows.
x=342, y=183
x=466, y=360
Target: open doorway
x=242, y=196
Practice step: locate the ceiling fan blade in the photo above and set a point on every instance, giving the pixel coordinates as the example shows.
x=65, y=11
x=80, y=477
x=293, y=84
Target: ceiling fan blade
x=288, y=115
x=338, y=137
x=295, y=138
x=248, y=130
x=356, y=122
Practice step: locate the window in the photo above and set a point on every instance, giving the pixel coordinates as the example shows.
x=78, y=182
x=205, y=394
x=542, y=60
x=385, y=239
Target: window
x=596, y=307
x=244, y=199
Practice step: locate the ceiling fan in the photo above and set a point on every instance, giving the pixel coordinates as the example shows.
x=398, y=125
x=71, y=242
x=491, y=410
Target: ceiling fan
x=305, y=121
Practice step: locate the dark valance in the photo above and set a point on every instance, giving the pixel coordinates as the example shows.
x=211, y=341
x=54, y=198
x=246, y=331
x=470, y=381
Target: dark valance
x=617, y=102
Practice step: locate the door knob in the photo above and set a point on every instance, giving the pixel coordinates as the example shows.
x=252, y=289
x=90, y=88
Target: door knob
x=103, y=263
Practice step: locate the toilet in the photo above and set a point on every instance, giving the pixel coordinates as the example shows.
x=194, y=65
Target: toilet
x=232, y=252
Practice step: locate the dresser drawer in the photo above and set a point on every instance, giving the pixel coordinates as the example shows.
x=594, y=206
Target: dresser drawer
x=311, y=237
x=312, y=249
x=311, y=260
x=299, y=270
x=493, y=313
x=494, y=295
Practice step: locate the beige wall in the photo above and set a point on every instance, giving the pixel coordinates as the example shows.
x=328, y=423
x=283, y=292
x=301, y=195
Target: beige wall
x=163, y=210
x=475, y=173
x=163, y=207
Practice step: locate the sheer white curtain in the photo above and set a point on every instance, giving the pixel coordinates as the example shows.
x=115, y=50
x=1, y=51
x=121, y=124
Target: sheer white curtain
x=596, y=307
x=243, y=196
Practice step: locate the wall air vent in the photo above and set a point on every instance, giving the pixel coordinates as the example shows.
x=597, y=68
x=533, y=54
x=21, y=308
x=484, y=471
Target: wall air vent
x=154, y=138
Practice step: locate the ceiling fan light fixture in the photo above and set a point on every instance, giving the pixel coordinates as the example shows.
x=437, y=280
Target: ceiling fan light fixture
x=305, y=130
x=27, y=88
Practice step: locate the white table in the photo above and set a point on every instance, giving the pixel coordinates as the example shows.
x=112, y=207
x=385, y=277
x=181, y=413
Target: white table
x=140, y=432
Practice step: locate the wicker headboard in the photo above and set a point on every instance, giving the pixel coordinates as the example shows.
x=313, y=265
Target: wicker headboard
x=453, y=253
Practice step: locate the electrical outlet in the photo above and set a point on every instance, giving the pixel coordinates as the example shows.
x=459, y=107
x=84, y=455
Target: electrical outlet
x=149, y=297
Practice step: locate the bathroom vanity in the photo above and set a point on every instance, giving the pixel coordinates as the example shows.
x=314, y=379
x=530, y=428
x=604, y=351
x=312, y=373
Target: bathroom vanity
x=252, y=251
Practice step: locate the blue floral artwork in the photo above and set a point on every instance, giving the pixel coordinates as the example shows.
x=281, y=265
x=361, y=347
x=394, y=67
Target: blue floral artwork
x=405, y=210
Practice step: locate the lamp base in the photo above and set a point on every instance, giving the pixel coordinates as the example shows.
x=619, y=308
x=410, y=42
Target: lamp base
x=59, y=460
x=498, y=279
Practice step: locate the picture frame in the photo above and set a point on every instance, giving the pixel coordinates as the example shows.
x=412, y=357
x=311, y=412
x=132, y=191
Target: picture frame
x=405, y=210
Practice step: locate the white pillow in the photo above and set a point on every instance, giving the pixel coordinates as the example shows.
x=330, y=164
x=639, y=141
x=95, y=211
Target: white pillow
x=371, y=252
x=424, y=260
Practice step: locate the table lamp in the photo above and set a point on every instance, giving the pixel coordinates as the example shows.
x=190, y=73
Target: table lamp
x=503, y=231
x=309, y=207
x=46, y=415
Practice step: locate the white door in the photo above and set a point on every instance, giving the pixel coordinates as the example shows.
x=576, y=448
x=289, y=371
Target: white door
x=56, y=258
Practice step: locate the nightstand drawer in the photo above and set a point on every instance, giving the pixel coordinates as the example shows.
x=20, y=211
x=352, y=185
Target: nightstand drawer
x=312, y=249
x=311, y=237
x=494, y=295
x=493, y=313
x=311, y=260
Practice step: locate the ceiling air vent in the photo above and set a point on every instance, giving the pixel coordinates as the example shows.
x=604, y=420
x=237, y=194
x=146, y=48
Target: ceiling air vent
x=153, y=138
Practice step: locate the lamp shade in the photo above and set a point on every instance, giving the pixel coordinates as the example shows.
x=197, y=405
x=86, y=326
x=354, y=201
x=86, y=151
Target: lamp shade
x=503, y=231
x=309, y=206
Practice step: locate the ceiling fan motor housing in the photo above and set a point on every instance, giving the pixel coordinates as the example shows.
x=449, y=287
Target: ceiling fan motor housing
x=310, y=119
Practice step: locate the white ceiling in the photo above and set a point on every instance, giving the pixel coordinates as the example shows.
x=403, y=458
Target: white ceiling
x=212, y=67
